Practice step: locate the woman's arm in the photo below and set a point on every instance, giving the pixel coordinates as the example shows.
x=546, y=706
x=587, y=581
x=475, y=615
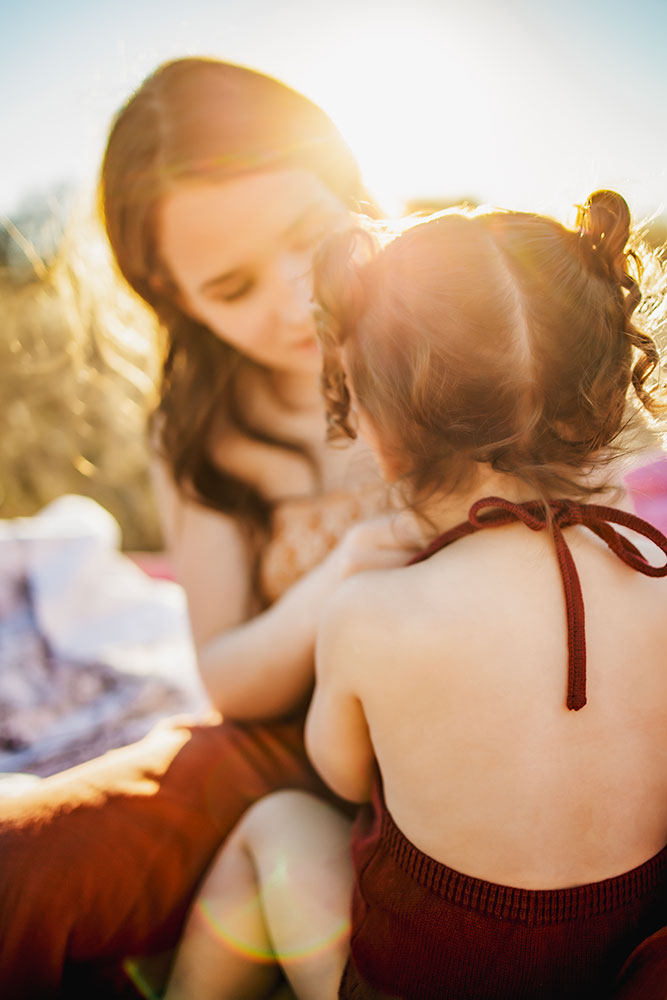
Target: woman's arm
x=337, y=736
x=257, y=665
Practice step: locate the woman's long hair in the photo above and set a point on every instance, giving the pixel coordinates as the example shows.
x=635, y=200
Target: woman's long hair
x=200, y=118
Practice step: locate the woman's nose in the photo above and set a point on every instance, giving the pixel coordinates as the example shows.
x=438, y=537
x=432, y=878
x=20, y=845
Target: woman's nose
x=294, y=287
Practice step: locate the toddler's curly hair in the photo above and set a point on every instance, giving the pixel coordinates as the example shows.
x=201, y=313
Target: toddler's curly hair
x=490, y=337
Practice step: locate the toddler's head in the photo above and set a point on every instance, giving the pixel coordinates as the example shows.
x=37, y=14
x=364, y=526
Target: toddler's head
x=487, y=337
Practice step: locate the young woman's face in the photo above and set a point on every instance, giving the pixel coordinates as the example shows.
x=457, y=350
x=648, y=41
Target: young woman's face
x=240, y=251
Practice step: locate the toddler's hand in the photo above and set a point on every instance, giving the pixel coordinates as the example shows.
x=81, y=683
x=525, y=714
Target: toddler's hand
x=382, y=543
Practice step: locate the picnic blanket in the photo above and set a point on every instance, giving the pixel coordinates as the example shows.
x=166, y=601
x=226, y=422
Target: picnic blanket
x=93, y=651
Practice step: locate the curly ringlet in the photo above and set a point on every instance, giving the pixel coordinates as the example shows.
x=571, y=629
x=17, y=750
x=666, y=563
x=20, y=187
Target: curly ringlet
x=490, y=336
x=198, y=118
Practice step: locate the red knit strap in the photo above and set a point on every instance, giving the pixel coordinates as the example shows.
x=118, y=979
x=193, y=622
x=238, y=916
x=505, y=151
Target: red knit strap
x=562, y=514
x=576, y=622
x=594, y=517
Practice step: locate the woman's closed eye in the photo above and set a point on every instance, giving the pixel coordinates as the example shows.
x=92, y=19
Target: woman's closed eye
x=235, y=292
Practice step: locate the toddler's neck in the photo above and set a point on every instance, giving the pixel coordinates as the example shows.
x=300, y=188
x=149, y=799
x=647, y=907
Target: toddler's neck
x=445, y=510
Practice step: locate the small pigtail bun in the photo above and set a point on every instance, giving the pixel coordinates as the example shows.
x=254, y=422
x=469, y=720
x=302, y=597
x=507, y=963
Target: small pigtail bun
x=604, y=230
x=604, y=227
x=340, y=296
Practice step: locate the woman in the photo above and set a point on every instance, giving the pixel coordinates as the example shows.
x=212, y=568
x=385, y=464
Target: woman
x=217, y=185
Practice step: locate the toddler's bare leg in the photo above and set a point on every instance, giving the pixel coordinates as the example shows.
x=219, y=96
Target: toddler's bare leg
x=279, y=891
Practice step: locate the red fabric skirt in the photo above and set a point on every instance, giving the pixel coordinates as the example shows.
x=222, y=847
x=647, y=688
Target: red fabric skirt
x=102, y=861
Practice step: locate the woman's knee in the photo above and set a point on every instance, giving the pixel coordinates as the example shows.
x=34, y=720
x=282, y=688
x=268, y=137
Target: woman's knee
x=296, y=831
x=275, y=812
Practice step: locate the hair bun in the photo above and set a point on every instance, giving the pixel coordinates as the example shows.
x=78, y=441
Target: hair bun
x=604, y=224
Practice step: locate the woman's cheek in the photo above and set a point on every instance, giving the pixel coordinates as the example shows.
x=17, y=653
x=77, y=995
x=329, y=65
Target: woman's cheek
x=228, y=324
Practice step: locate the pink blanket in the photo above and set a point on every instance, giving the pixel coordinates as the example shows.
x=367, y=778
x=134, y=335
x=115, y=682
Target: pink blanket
x=647, y=486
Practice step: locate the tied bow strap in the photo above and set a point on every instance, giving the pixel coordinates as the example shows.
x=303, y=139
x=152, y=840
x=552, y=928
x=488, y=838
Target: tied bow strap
x=563, y=514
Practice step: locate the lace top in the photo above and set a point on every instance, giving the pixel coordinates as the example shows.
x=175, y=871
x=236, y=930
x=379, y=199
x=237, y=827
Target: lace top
x=304, y=530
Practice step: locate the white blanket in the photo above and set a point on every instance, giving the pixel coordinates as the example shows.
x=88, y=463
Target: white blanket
x=92, y=650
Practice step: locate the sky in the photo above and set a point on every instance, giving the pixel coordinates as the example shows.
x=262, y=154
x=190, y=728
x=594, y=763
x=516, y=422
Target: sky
x=529, y=104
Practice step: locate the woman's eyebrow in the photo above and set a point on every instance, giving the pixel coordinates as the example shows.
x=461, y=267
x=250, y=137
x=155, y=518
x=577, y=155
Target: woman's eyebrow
x=314, y=209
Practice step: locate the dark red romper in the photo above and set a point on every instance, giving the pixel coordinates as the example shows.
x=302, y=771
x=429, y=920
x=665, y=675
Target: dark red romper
x=422, y=931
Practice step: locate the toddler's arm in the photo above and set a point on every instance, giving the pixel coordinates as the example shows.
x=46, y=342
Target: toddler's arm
x=337, y=736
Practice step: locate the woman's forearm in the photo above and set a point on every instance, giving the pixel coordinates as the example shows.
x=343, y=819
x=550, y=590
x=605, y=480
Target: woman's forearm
x=264, y=667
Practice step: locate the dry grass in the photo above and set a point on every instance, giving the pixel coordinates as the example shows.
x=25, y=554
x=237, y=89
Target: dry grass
x=78, y=366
